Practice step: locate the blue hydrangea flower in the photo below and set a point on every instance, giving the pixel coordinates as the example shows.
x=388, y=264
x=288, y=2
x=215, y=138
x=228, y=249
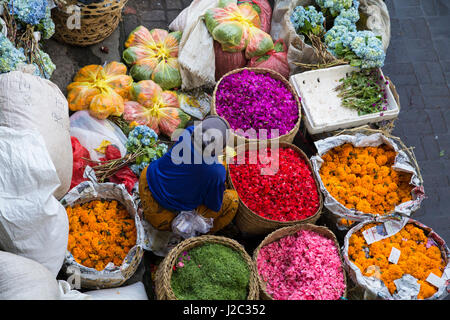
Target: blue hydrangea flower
x=28, y=11
x=47, y=26
x=306, y=20
x=10, y=56
x=368, y=48
x=335, y=6
x=45, y=63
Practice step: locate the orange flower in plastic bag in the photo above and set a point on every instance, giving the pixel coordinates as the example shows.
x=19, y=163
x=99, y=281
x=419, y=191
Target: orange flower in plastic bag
x=153, y=55
x=100, y=90
x=237, y=28
x=155, y=108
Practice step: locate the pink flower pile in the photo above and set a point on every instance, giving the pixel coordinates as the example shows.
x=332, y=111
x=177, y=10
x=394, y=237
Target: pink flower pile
x=304, y=266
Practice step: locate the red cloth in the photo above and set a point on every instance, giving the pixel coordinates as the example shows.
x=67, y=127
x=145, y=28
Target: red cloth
x=125, y=175
x=79, y=164
x=227, y=61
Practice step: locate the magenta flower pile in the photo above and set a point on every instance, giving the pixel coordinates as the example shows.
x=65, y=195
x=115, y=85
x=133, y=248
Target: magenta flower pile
x=303, y=266
x=248, y=100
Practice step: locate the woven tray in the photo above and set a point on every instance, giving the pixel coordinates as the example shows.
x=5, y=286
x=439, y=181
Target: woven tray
x=288, y=137
x=283, y=232
x=164, y=273
x=249, y=222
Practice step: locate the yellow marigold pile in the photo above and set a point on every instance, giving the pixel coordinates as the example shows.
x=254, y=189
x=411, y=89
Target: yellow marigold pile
x=415, y=258
x=100, y=232
x=362, y=178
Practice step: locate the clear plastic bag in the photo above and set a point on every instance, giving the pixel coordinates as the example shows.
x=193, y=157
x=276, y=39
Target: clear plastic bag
x=189, y=224
x=90, y=132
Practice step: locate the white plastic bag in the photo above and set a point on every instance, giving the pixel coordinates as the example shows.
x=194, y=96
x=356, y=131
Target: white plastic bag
x=32, y=222
x=134, y=291
x=190, y=224
x=196, y=54
x=91, y=132
x=25, y=279
x=30, y=102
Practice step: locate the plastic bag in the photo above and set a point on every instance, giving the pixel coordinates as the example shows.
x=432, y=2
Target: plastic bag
x=30, y=102
x=264, y=11
x=100, y=90
x=124, y=175
x=155, y=108
x=79, y=164
x=33, y=223
x=134, y=291
x=227, y=61
x=275, y=59
x=196, y=103
x=190, y=224
x=25, y=279
x=237, y=27
x=153, y=55
x=196, y=53
x=91, y=132
x=112, y=275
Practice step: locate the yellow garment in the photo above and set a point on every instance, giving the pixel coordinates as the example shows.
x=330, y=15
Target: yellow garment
x=161, y=218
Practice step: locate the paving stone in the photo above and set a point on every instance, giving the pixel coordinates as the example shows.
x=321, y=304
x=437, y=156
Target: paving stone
x=408, y=12
x=435, y=7
x=397, y=51
x=154, y=16
x=172, y=14
x=429, y=73
x=431, y=147
x=401, y=73
x=442, y=47
x=415, y=28
x=438, y=26
x=437, y=121
x=421, y=50
x=174, y=4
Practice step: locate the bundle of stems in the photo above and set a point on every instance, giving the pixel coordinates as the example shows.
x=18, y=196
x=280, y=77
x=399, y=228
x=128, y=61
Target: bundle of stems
x=105, y=169
x=324, y=57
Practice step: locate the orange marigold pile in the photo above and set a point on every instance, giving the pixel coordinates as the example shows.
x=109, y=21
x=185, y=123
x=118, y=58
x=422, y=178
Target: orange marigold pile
x=362, y=178
x=415, y=258
x=100, y=232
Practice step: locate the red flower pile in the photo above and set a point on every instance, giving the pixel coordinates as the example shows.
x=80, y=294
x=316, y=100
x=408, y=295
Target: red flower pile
x=290, y=194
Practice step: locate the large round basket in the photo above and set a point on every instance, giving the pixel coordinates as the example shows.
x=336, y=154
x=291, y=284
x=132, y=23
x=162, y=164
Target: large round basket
x=287, y=231
x=97, y=21
x=164, y=273
x=288, y=137
x=249, y=222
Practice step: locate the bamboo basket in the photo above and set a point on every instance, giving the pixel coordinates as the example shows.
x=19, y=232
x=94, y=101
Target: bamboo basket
x=249, y=222
x=283, y=232
x=164, y=272
x=288, y=137
x=98, y=21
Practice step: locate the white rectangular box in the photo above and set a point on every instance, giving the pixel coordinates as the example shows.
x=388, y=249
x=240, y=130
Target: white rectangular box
x=322, y=108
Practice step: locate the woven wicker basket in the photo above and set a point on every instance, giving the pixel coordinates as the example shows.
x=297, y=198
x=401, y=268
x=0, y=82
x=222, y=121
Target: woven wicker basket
x=283, y=232
x=98, y=21
x=249, y=222
x=164, y=273
x=288, y=137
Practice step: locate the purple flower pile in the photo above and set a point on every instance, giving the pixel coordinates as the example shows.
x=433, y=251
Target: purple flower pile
x=248, y=100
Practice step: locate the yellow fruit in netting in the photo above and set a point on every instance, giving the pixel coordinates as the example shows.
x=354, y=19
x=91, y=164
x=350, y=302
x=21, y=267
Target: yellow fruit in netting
x=101, y=90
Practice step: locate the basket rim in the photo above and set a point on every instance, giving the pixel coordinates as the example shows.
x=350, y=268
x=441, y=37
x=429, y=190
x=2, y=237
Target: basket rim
x=260, y=71
x=290, y=230
x=166, y=266
x=284, y=223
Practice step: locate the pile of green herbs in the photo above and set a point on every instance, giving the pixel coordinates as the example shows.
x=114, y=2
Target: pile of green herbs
x=365, y=91
x=211, y=272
